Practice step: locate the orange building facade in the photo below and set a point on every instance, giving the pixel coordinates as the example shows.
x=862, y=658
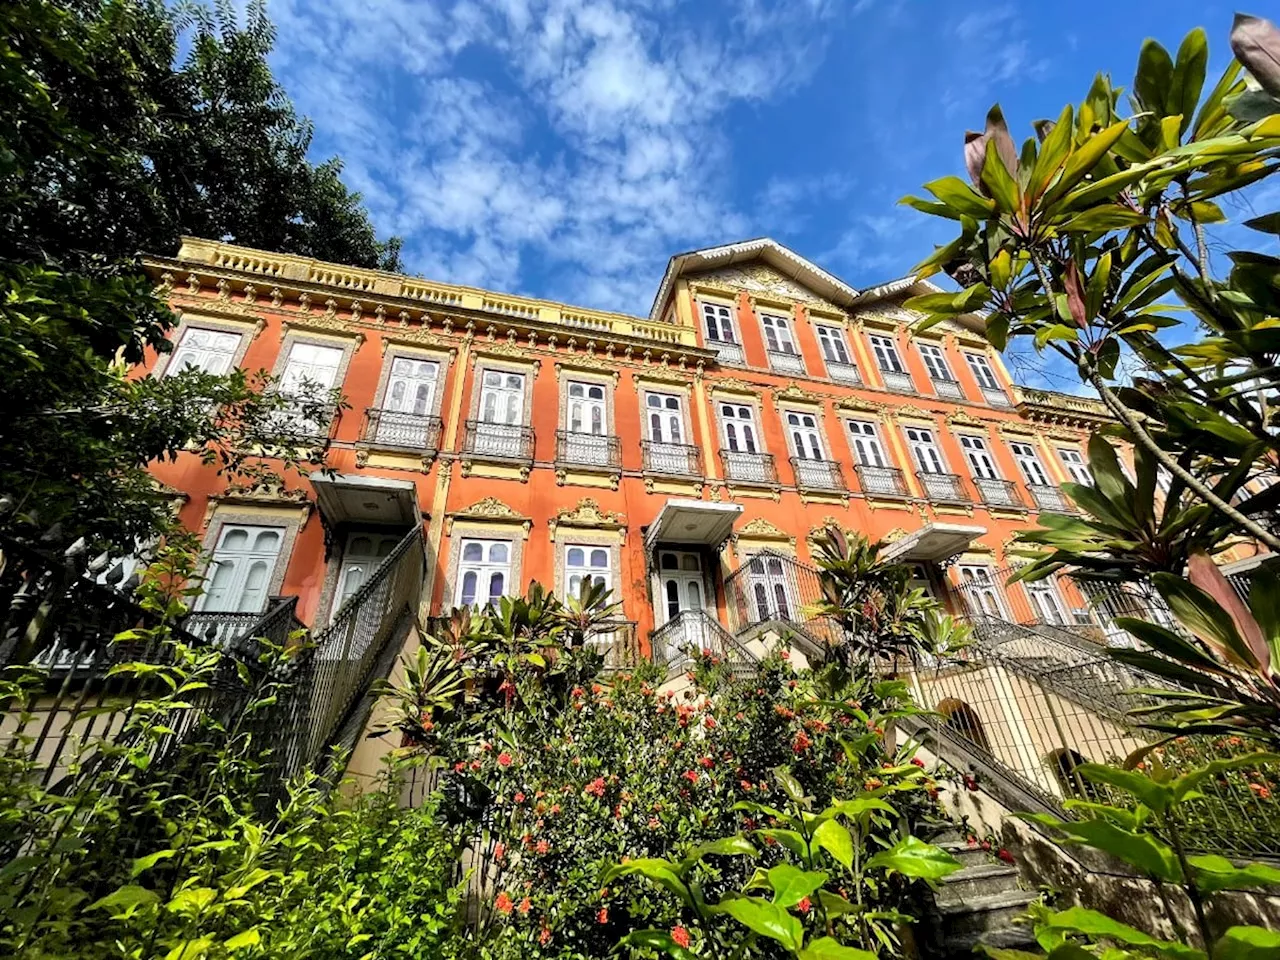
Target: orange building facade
x=685, y=458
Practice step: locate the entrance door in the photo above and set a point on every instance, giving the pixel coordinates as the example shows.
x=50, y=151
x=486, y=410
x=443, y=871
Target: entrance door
x=1045, y=605
x=363, y=553
x=981, y=591
x=770, y=589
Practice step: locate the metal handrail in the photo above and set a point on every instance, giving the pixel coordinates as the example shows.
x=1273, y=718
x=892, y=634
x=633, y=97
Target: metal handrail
x=817, y=474
x=747, y=467
x=671, y=459
x=943, y=487
x=588, y=449
x=881, y=481
x=497, y=441
x=1050, y=498
x=674, y=644
x=400, y=430
x=999, y=493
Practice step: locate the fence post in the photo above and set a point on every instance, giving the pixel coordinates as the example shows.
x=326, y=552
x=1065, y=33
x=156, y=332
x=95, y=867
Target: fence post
x=1020, y=733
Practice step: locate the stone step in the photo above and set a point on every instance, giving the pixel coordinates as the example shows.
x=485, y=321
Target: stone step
x=988, y=913
x=962, y=946
x=969, y=856
x=980, y=880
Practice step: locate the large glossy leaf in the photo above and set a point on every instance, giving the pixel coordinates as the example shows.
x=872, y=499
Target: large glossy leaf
x=661, y=872
x=860, y=806
x=791, y=884
x=1053, y=153
x=1166, y=642
x=1157, y=796
x=658, y=940
x=961, y=197
x=1197, y=611
x=1247, y=943
x=765, y=918
x=790, y=839
x=1214, y=873
x=1264, y=601
x=999, y=182
x=1081, y=162
x=827, y=948
x=1143, y=851
x=912, y=857
x=1183, y=785
x=833, y=837
x=1095, y=924
x=1188, y=77
x=1154, y=78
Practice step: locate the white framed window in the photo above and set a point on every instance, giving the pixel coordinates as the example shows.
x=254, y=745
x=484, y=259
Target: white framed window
x=739, y=423
x=777, y=333
x=502, y=397
x=935, y=362
x=771, y=588
x=834, y=347
x=1073, y=461
x=484, y=572
x=1029, y=463
x=665, y=420
x=806, y=439
x=680, y=574
x=363, y=553
x=886, y=353
x=586, y=562
x=411, y=386
x=980, y=460
x=717, y=320
x=924, y=450
x=310, y=364
x=1046, y=604
x=979, y=587
x=239, y=574
x=865, y=440
x=587, y=411
x=210, y=351
x=982, y=371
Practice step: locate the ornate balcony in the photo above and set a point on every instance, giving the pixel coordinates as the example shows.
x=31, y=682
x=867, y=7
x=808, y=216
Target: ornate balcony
x=730, y=353
x=943, y=487
x=818, y=475
x=999, y=493
x=783, y=361
x=497, y=441
x=741, y=467
x=996, y=397
x=671, y=459
x=881, y=481
x=897, y=381
x=588, y=450
x=395, y=430
x=1050, y=498
x=948, y=389
x=845, y=373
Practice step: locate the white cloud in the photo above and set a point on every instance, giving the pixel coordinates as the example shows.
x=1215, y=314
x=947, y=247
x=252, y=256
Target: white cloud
x=517, y=141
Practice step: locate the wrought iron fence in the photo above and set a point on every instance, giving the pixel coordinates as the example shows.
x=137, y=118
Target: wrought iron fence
x=943, y=487
x=996, y=397
x=618, y=642
x=1050, y=498
x=404, y=431
x=897, y=381
x=749, y=467
x=671, y=459
x=999, y=493
x=949, y=389
x=588, y=449
x=785, y=361
x=1034, y=707
x=844, y=373
x=817, y=474
x=772, y=586
x=881, y=481
x=498, y=441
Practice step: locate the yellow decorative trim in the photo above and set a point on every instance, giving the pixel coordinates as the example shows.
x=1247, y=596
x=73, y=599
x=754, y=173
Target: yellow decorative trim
x=1018, y=431
x=585, y=365
x=507, y=353
x=910, y=412
x=326, y=324
x=773, y=300
x=794, y=393
x=827, y=314
x=761, y=529
x=663, y=378
x=588, y=515
x=489, y=510
x=855, y=405
x=959, y=418
x=736, y=387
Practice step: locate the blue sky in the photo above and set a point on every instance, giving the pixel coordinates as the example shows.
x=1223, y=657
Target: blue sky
x=566, y=150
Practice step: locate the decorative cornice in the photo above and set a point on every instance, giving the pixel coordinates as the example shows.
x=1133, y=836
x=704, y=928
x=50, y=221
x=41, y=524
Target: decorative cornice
x=587, y=365
x=762, y=529
x=797, y=394
x=735, y=386
x=1012, y=428
x=894, y=535
x=489, y=510
x=911, y=412
x=587, y=514
x=959, y=418
x=857, y=405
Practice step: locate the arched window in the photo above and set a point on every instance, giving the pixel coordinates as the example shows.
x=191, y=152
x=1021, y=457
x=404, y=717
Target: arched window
x=963, y=719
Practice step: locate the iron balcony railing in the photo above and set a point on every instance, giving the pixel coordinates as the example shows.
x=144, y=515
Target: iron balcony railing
x=785, y=361
x=845, y=373
x=943, y=487
x=728, y=352
x=817, y=474
x=744, y=467
x=403, y=431
x=304, y=421
x=999, y=493
x=772, y=586
x=691, y=632
x=219, y=627
x=948, y=388
x=618, y=642
x=996, y=397
x=671, y=459
x=1050, y=498
x=897, y=381
x=588, y=450
x=497, y=441
x=881, y=481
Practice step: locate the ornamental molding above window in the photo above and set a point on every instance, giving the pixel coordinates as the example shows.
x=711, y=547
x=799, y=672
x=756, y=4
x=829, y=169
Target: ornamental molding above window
x=589, y=515
x=817, y=531
x=327, y=323
x=912, y=413
x=593, y=367
x=736, y=387
x=1019, y=431
x=854, y=405
x=762, y=529
x=797, y=394
x=961, y=418
x=418, y=339
x=489, y=510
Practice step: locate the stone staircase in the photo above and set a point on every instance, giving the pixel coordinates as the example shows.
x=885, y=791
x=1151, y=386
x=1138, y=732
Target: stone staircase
x=977, y=905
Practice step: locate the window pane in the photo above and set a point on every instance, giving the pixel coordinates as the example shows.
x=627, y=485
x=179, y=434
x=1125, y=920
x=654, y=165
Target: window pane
x=495, y=585
x=498, y=553
x=600, y=558
x=235, y=540
x=574, y=557
x=469, y=588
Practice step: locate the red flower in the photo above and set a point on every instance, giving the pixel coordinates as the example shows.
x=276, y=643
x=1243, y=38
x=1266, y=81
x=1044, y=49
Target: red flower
x=525, y=905
x=801, y=743
x=654, y=823
x=746, y=785
x=460, y=766
x=785, y=654
x=710, y=723
x=555, y=808
x=543, y=848
x=503, y=903
x=804, y=905
x=499, y=850
x=680, y=936
x=504, y=759
x=1005, y=855
x=596, y=689
x=707, y=763
x=603, y=915
x=917, y=761
x=576, y=692
x=986, y=845
x=519, y=797
x=486, y=747
x=545, y=936
x=595, y=787
x=475, y=764
x=690, y=775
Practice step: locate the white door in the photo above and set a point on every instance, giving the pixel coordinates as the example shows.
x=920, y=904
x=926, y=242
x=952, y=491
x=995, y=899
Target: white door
x=719, y=322
x=363, y=553
x=1030, y=465
x=741, y=450
x=811, y=467
x=834, y=348
x=777, y=334
x=309, y=373
x=1073, y=460
x=501, y=418
x=924, y=451
x=664, y=427
x=410, y=398
x=979, y=457
x=771, y=594
x=1046, y=606
x=981, y=591
x=239, y=574
x=935, y=362
x=886, y=352
x=585, y=438
x=866, y=444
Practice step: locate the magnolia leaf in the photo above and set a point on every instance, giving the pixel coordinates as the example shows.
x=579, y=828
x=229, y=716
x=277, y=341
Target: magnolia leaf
x=1188, y=76
x=765, y=918
x=190, y=949
x=658, y=940
x=149, y=861
x=247, y=938
x=125, y=901
x=793, y=841
x=1000, y=183
x=961, y=197
x=661, y=872
x=912, y=857
x=1095, y=924
x=790, y=785
x=791, y=884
